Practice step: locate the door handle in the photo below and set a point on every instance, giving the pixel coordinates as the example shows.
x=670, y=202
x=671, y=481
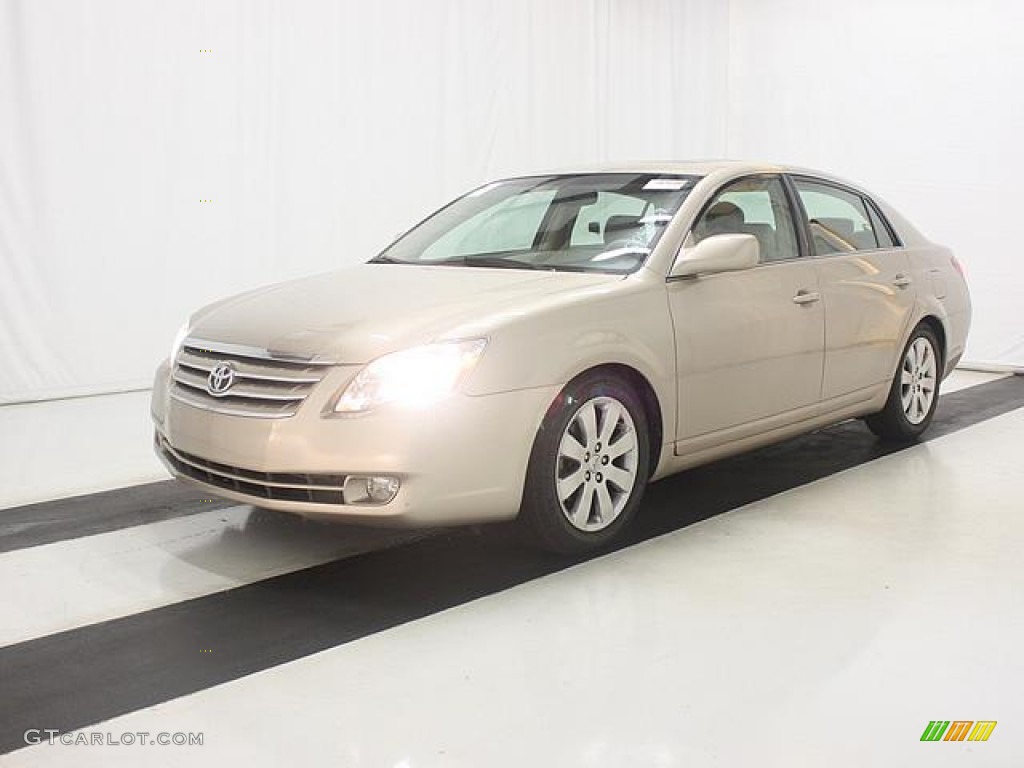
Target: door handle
x=806, y=297
x=901, y=281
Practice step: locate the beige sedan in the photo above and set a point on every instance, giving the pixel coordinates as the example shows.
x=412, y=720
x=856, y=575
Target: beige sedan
x=544, y=347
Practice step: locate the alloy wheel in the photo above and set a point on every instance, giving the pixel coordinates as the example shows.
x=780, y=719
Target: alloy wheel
x=596, y=466
x=917, y=380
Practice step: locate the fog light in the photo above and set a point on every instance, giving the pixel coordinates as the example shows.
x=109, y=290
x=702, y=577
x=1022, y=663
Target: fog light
x=382, y=489
x=376, y=489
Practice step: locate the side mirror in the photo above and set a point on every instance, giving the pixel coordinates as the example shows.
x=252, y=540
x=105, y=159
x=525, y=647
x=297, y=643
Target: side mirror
x=718, y=253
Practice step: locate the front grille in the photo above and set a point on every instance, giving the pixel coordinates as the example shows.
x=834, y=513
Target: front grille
x=279, y=486
x=264, y=386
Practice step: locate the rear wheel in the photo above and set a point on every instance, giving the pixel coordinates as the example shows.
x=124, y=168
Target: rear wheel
x=588, y=468
x=914, y=393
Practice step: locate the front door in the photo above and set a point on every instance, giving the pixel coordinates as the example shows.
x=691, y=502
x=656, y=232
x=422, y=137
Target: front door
x=749, y=344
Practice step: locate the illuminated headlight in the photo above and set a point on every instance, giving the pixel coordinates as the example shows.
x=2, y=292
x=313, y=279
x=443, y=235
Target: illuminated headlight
x=417, y=377
x=179, y=340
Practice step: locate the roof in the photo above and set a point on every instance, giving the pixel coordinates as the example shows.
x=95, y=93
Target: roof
x=723, y=169
x=687, y=167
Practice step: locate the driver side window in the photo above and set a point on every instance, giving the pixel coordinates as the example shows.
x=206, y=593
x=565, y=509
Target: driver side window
x=753, y=206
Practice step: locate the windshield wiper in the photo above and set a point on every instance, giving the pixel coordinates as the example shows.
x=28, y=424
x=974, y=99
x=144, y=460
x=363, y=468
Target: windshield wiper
x=496, y=261
x=481, y=260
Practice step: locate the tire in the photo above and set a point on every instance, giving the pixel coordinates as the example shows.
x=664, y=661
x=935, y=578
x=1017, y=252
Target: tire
x=588, y=468
x=914, y=393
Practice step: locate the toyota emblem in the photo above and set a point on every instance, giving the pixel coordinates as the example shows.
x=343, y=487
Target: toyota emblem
x=220, y=379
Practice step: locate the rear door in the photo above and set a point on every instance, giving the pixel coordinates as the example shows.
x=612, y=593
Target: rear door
x=866, y=287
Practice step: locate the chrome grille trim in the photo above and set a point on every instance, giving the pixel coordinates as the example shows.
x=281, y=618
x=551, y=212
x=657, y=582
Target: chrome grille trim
x=265, y=387
x=188, y=379
x=279, y=486
x=206, y=367
x=253, y=411
x=257, y=353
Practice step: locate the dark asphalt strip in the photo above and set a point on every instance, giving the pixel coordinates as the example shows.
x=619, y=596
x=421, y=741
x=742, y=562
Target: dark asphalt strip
x=91, y=674
x=50, y=521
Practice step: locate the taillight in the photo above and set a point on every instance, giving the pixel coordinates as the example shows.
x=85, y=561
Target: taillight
x=958, y=267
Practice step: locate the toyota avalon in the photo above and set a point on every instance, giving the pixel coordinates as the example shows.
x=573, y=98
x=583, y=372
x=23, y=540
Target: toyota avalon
x=544, y=347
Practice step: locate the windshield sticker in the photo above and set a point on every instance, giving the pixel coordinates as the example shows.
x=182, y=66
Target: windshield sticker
x=667, y=185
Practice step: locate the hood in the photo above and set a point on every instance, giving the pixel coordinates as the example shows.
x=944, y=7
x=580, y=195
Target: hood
x=357, y=314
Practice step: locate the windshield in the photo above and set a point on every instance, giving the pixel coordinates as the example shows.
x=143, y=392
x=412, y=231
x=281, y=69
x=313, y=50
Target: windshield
x=590, y=223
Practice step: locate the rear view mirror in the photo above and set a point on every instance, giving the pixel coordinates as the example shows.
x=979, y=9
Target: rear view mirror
x=718, y=253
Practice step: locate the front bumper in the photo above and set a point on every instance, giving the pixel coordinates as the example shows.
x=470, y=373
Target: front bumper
x=461, y=461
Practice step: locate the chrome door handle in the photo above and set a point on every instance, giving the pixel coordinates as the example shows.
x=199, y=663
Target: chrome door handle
x=806, y=297
x=901, y=281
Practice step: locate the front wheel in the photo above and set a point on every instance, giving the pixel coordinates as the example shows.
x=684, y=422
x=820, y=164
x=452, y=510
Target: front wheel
x=914, y=393
x=588, y=468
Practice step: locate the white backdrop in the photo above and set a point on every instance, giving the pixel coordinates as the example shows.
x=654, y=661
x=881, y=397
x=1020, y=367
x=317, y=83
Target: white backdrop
x=922, y=101
x=316, y=129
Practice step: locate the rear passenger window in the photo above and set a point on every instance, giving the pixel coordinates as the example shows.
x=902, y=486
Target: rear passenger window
x=838, y=220
x=753, y=206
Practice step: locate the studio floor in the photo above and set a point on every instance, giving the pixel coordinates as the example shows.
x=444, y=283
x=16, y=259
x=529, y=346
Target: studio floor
x=814, y=603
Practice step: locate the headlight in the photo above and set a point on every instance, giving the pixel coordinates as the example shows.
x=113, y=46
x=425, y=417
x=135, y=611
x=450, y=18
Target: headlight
x=179, y=340
x=417, y=376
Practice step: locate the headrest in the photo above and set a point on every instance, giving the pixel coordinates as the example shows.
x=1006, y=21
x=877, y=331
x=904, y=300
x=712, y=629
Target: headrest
x=616, y=224
x=723, y=211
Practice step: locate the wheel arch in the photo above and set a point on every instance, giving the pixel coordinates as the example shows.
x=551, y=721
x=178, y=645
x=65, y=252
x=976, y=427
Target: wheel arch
x=939, y=329
x=929, y=317
x=640, y=384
